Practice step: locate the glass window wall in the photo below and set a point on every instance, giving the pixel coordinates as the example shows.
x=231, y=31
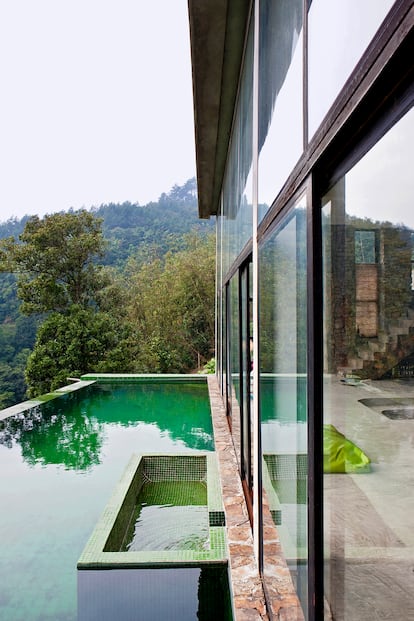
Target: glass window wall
x=219, y=302
x=368, y=407
x=280, y=95
x=339, y=33
x=234, y=359
x=246, y=342
x=283, y=386
x=237, y=188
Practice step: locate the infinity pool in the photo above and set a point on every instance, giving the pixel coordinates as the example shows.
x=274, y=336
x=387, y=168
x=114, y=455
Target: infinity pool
x=58, y=465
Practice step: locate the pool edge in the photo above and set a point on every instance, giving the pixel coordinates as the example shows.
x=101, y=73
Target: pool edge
x=94, y=557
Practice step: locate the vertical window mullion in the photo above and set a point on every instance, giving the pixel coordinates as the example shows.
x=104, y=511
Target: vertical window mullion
x=305, y=75
x=315, y=409
x=241, y=367
x=255, y=409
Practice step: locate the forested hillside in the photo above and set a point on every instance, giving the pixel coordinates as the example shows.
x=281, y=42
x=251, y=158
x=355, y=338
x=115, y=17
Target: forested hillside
x=152, y=297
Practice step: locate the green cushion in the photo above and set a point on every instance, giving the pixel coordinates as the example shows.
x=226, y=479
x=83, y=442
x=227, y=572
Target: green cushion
x=342, y=455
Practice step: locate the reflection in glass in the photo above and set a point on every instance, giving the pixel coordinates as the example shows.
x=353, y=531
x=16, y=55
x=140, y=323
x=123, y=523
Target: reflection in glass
x=237, y=187
x=283, y=360
x=234, y=376
x=246, y=372
x=367, y=221
x=280, y=95
x=220, y=340
x=71, y=431
x=339, y=33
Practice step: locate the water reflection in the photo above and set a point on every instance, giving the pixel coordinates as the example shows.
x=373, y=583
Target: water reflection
x=71, y=430
x=176, y=594
x=49, y=435
x=368, y=320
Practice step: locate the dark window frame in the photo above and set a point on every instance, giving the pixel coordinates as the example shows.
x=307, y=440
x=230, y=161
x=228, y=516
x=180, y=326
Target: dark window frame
x=378, y=93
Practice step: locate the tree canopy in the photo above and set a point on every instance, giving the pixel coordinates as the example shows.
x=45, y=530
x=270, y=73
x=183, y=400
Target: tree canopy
x=55, y=261
x=121, y=288
x=70, y=344
x=171, y=306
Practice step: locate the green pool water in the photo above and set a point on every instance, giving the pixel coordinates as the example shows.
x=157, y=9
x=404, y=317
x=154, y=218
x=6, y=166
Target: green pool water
x=200, y=594
x=170, y=515
x=58, y=466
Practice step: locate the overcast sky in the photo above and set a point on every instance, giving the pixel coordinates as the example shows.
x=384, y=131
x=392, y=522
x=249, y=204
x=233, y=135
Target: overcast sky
x=96, y=103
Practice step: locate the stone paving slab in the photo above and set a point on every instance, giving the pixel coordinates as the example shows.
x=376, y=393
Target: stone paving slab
x=246, y=585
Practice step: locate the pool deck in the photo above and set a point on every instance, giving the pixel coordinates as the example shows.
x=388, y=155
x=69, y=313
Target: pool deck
x=249, y=603
x=369, y=516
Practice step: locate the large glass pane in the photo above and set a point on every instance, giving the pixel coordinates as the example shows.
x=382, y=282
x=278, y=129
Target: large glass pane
x=339, y=33
x=237, y=187
x=234, y=392
x=246, y=367
x=283, y=360
x=280, y=95
x=219, y=303
x=368, y=408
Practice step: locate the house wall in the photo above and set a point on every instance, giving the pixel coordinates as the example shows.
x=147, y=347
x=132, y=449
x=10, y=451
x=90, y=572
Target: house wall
x=317, y=153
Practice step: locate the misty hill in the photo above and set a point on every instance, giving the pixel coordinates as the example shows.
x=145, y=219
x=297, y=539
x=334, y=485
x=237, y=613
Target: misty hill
x=131, y=230
x=130, y=226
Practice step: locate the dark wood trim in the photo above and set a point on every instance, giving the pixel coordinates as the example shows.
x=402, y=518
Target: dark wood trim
x=241, y=383
x=272, y=220
x=305, y=76
x=242, y=258
x=315, y=407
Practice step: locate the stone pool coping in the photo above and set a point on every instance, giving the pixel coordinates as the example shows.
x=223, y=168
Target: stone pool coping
x=94, y=555
x=19, y=408
x=131, y=378
x=249, y=601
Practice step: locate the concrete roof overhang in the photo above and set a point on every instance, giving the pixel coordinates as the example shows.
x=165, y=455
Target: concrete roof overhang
x=217, y=33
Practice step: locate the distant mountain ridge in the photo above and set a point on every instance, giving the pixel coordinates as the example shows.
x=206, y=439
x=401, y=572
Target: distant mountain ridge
x=127, y=226
x=131, y=230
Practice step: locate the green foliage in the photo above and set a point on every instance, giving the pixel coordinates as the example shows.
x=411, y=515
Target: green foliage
x=172, y=308
x=16, y=341
x=129, y=227
x=9, y=304
x=12, y=379
x=70, y=344
x=121, y=288
x=209, y=367
x=54, y=261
